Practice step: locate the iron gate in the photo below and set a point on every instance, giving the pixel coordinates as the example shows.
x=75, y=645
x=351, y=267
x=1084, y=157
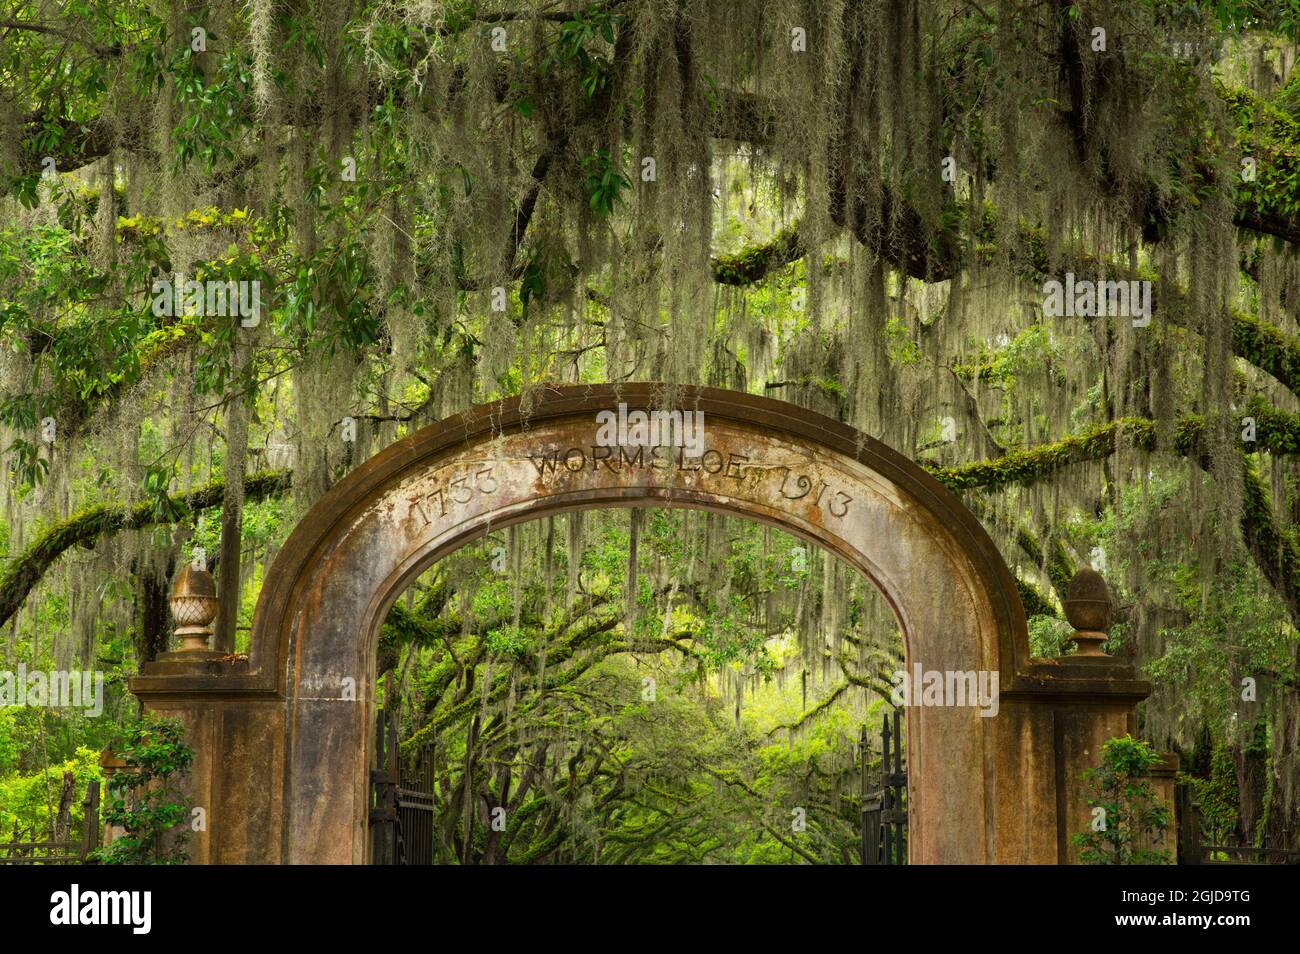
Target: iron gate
x=884, y=811
x=401, y=800
x=1195, y=843
x=65, y=852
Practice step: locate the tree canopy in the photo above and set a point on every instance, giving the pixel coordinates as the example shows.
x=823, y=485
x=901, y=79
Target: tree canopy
x=1044, y=248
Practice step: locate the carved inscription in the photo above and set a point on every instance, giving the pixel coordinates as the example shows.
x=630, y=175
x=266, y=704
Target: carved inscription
x=712, y=465
x=459, y=490
x=796, y=486
x=713, y=469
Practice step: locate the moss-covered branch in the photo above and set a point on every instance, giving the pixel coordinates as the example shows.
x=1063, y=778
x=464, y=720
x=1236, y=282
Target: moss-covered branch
x=1276, y=431
x=1267, y=348
x=20, y=576
x=1034, y=602
x=1274, y=548
x=1036, y=463
x=755, y=263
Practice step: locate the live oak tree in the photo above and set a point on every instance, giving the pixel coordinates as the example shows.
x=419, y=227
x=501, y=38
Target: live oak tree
x=856, y=207
x=556, y=728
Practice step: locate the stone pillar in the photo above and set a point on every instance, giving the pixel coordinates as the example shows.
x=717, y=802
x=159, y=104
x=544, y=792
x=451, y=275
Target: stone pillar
x=1164, y=782
x=1053, y=722
x=1059, y=714
x=109, y=765
x=237, y=729
x=234, y=721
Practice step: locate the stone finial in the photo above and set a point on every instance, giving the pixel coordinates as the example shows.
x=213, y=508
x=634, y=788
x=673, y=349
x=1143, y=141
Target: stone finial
x=1088, y=608
x=194, y=606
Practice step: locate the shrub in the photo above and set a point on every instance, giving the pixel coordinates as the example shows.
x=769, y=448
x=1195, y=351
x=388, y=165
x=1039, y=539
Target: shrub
x=143, y=799
x=1128, y=825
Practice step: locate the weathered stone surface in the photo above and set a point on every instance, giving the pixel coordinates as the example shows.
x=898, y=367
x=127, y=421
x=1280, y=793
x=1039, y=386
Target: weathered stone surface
x=313, y=649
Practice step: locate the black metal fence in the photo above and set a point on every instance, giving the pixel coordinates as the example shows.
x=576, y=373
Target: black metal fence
x=68, y=851
x=401, y=800
x=884, y=809
x=1195, y=848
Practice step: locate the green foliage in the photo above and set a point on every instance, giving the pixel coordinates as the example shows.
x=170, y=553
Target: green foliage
x=1221, y=626
x=144, y=799
x=605, y=183
x=1129, y=824
x=581, y=43
x=845, y=278
x=29, y=801
x=1217, y=796
x=507, y=641
x=1269, y=138
x=1278, y=16
x=1050, y=636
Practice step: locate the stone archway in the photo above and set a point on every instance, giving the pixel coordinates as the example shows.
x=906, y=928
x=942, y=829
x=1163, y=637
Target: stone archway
x=284, y=735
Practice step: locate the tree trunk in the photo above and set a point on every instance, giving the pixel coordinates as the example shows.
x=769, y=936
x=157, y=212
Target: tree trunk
x=232, y=516
x=1282, y=829
x=63, y=820
x=153, y=614
x=1251, y=762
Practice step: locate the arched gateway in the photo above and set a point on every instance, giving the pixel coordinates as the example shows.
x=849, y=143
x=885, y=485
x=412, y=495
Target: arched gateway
x=283, y=737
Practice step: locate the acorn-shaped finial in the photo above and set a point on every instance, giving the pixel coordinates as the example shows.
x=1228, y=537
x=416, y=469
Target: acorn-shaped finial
x=1088, y=607
x=194, y=606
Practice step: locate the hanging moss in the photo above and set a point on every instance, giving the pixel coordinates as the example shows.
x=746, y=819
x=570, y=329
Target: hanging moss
x=853, y=207
x=85, y=528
